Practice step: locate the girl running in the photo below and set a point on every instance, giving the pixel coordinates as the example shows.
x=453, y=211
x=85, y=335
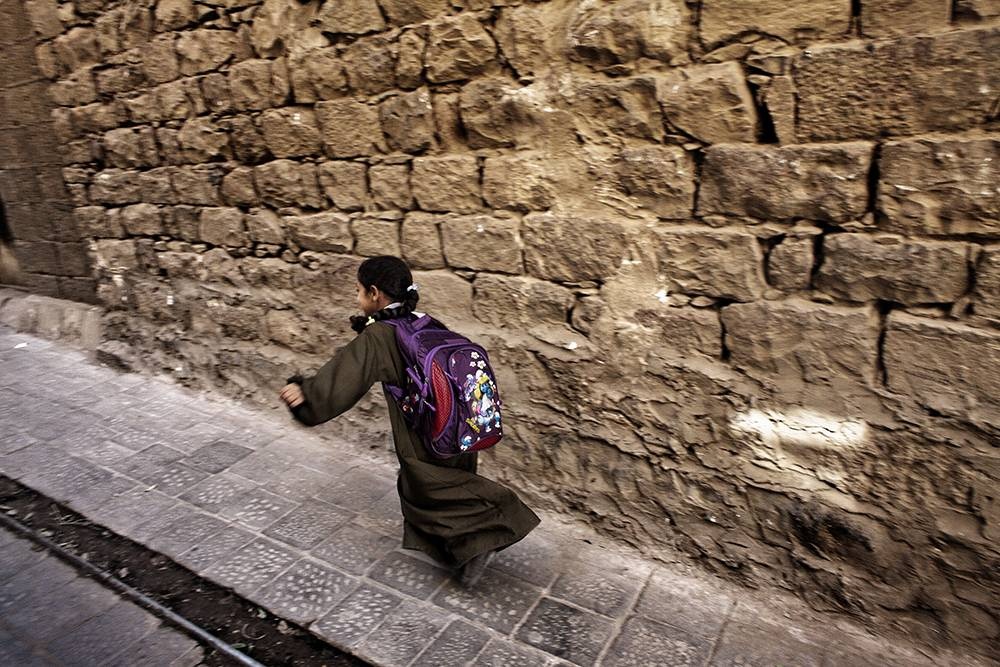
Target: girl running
x=449, y=512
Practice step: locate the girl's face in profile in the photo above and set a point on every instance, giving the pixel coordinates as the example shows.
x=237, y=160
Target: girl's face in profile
x=369, y=300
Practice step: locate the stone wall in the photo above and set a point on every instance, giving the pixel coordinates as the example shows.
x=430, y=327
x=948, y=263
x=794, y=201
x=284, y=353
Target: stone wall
x=35, y=209
x=738, y=262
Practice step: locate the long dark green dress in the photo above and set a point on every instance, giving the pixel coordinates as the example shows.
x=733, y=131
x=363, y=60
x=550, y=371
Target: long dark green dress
x=449, y=511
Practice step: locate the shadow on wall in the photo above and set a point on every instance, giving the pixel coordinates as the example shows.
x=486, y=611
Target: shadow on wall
x=8, y=263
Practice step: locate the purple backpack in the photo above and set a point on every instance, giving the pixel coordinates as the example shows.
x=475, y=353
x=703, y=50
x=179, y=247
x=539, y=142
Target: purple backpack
x=451, y=396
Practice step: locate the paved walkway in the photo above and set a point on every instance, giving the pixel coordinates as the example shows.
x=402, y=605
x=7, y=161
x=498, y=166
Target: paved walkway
x=50, y=615
x=304, y=526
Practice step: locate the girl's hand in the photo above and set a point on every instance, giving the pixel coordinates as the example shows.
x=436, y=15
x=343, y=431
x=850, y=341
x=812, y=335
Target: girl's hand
x=292, y=395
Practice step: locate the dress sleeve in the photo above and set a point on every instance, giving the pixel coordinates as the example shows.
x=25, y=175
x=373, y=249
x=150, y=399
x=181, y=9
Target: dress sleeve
x=345, y=379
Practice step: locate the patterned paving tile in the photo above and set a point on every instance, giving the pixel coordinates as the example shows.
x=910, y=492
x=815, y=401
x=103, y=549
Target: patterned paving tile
x=754, y=643
x=214, y=547
x=217, y=491
x=408, y=575
x=172, y=478
x=566, y=632
x=217, y=456
x=498, y=601
x=597, y=588
x=252, y=566
x=357, y=489
x=503, y=653
x=306, y=591
x=405, y=632
x=684, y=603
x=186, y=531
x=641, y=638
x=459, y=644
x=309, y=524
x=535, y=559
x=354, y=548
x=360, y=613
x=257, y=509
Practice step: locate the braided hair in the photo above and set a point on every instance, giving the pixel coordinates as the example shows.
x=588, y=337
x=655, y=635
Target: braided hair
x=392, y=276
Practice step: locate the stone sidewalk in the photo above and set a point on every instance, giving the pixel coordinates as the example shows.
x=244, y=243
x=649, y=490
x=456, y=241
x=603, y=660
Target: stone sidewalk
x=51, y=615
x=306, y=527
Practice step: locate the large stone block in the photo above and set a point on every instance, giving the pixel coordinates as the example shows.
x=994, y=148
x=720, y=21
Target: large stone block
x=94, y=222
x=483, y=243
x=458, y=49
x=203, y=140
x=987, y=295
x=410, y=58
x=128, y=147
x=370, y=65
x=317, y=74
x=279, y=24
x=115, y=186
x=75, y=90
x=524, y=34
x=328, y=231
x=44, y=17
x=389, y=185
x=519, y=303
x=203, y=50
x=447, y=184
x=519, y=182
x=173, y=14
x=77, y=48
x=722, y=20
x=344, y=183
x=659, y=178
x=142, y=219
x=900, y=17
x=682, y=331
x=609, y=33
x=290, y=132
x=265, y=226
x=355, y=17
x=246, y=139
x=711, y=103
x=237, y=187
x=405, y=12
x=790, y=263
x=199, y=184
x=946, y=366
x=258, y=84
x=976, y=10
x=421, y=241
x=941, y=186
x=446, y=296
x=718, y=263
x=37, y=256
x=897, y=87
x=376, y=236
x=408, y=121
x=116, y=255
x=287, y=183
x=860, y=267
x=349, y=128
x=798, y=340
x=222, y=226
x=814, y=181
x=493, y=112
x=572, y=249
x=618, y=108
x=159, y=60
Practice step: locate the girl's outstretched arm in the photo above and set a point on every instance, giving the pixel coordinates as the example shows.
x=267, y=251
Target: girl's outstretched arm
x=343, y=380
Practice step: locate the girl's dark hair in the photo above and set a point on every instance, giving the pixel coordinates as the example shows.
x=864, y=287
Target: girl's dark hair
x=393, y=277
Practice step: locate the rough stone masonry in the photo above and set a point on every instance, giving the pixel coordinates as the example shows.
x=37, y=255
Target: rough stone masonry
x=738, y=262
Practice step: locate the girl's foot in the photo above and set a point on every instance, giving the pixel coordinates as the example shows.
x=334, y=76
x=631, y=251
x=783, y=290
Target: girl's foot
x=472, y=571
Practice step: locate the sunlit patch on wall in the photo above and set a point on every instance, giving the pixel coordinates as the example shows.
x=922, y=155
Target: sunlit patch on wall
x=800, y=427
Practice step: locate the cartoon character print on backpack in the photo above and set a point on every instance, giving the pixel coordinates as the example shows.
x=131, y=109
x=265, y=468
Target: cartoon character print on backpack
x=480, y=393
